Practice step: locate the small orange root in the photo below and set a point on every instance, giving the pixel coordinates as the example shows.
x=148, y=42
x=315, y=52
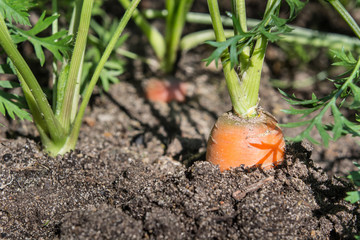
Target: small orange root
x=165, y=91
x=251, y=142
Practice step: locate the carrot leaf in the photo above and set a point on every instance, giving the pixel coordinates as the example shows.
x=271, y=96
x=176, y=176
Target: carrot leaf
x=58, y=44
x=346, y=95
x=354, y=177
x=16, y=10
x=12, y=104
x=271, y=27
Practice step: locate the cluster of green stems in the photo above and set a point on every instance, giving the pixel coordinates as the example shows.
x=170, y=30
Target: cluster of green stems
x=59, y=125
x=243, y=81
x=165, y=46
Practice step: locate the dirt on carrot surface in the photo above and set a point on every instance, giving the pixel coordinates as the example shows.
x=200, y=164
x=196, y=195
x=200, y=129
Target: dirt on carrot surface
x=139, y=169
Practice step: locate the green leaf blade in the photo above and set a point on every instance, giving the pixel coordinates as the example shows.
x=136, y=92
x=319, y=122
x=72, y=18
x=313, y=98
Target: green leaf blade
x=353, y=196
x=16, y=10
x=12, y=105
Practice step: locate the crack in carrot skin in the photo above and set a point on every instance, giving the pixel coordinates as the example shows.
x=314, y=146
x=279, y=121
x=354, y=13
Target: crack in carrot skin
x=250, y=142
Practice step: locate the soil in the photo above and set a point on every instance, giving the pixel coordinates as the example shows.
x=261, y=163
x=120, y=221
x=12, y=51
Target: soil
x=139, y=169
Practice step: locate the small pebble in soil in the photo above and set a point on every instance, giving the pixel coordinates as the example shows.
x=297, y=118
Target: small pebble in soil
x=7, y=157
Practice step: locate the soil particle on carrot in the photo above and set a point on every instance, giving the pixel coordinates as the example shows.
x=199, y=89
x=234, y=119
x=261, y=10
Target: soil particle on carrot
x=236, y=141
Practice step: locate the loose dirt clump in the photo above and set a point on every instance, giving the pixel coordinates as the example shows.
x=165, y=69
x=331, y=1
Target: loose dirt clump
x=121, y=195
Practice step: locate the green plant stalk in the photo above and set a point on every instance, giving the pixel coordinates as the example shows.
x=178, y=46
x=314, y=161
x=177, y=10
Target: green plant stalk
x=243, y=86
x=55, y=29
x=75, y=66
x=175, y=22
x=299, y=35
x=231, y=77
x=155, y=38
x=239, y=9
x=346, y=16
x=71, y=141
x=252, y=75
x=38, y=120
x=59, y=84
x=134, y=56
x=56, y=132
x=60, y=89
x=194, y=39
x=75, y=17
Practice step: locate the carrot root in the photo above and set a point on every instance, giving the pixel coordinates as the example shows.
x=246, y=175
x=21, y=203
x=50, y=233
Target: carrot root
x=235, y=141
x=165, y=91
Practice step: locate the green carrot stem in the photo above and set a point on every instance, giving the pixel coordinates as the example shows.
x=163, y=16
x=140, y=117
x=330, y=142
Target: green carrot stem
x=55, y=29
x=78, y=120
x=154, y=37
x=75, y=64
x=252, y=76
x=60, y=89
x=252, y=67
x=346, y=16
x=175, y=22
x=35, y=112
x=75, y=17
x=299, y=35
x=239, y=9
x=231, y=77
x=53, y=126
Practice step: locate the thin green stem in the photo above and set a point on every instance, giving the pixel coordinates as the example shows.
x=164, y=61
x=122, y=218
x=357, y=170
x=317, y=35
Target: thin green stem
x=154, y=37
x=175, y=22
x=60, y=90
x=216, y=20
x=35, y=112
x=75, y=65
x=251, y=70
x=78, y=120
x=231, y=77
x=349, y=80
x=55, y=29
x=239, y=9
x=53, y=126
x=346, y=16
x=75, y=17
x=252, y=76
x=298, y=35
x=55, y=24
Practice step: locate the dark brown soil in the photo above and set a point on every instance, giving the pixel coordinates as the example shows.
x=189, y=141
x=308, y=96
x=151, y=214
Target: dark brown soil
x=139, y=172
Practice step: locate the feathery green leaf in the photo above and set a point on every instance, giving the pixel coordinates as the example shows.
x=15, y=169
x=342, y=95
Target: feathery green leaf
x=16, y=10
x=13, y=105
x=58, y=44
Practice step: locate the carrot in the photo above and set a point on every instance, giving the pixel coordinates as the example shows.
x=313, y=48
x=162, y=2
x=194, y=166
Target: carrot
x=236, y=141
x=247, y=135
x=165, y=91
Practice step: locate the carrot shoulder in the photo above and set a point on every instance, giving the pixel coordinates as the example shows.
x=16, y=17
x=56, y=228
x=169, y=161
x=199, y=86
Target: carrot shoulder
x=236, y=141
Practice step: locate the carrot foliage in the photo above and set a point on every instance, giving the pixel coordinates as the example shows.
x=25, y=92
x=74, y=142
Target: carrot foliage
x=354, y=177
x=58, y=121
x=271, y=27
x=345, y=96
